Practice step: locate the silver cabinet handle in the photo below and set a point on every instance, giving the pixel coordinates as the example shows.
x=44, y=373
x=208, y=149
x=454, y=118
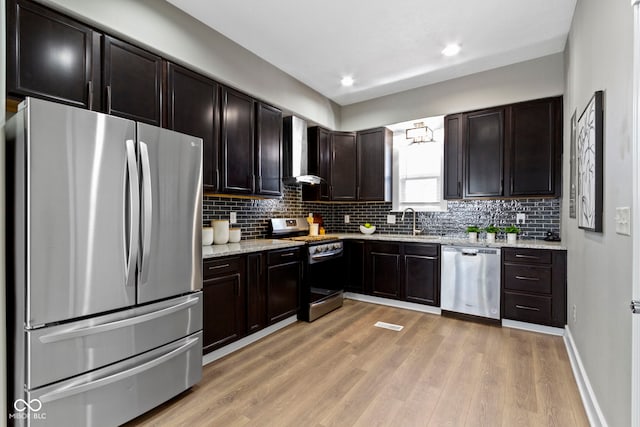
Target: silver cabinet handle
x=532, y=279
x=526, y=307
x=90, y=95
x=118, y=324
x=147, y=200
x=72, y=391
x=108, y=99
x=134, y=214
x=526, y=256
x=288, y=255
x=215, y=267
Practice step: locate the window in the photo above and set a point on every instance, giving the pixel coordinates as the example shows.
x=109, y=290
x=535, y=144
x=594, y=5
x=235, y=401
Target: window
x=418, y=169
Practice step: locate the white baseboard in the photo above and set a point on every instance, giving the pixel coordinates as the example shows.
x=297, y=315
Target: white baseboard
x=392, y=303
x=250, y=339
x=532, y=327
x=589, y=401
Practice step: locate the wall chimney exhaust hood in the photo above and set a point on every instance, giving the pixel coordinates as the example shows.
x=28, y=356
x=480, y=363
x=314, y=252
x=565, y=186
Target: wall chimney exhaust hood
x=295, y=152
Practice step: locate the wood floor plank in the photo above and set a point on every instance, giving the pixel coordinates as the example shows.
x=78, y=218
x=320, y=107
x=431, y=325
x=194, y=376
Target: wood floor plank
x=343, y=371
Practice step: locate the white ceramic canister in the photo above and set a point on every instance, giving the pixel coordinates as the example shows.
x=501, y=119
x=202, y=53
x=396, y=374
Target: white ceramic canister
x=235, y=234
x=207, y=236
x=220, y=231
x=511, y=238
x=313, y=229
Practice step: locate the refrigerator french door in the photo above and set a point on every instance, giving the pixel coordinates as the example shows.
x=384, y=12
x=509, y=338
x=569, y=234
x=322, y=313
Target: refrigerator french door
x=105, y=308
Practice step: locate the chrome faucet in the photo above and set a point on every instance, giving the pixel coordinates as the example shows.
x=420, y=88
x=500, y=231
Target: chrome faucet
x=413, y=228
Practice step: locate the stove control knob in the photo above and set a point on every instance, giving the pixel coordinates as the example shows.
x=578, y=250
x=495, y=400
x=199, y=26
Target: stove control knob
x=319, y=249
x=336, y=246
x=312, y=250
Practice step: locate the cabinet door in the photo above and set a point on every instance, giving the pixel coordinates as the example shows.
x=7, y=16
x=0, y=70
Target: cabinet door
x=283, y=281
x=383, y=269
x=374, y=165
x=132, y=82
x=422, y=279
x=237, y=142
x=355, y=266
x=533, y=149
x=192, y=109
x=50, y=56
x=319, y=157
x=256, y=294
x=223, y=319
x=269, y=150
x=343, y=162
x=453, y=135
x=484, y=152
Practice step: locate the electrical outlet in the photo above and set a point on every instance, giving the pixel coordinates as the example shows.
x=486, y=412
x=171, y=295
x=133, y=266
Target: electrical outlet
x=391, y=219
x=346, y=219
x=520, y=218
x=233, y=217
x=574, y=314
x=623, y=221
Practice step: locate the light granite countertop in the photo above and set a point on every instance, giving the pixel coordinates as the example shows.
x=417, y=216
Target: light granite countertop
x=500, y=243
x=246, y=247
x=260, y=245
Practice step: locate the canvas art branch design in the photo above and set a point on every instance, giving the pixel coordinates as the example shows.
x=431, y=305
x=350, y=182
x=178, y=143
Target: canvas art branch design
x=589, y=159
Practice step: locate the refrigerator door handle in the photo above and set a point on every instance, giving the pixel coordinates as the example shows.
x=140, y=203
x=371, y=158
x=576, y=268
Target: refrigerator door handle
x=71, y=391
x=147, y=211
x=134, y=214
x=118, y=324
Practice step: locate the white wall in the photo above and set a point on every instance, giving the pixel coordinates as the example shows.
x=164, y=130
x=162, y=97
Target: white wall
x=532, y=79
x=163, y=28
x=599, y=56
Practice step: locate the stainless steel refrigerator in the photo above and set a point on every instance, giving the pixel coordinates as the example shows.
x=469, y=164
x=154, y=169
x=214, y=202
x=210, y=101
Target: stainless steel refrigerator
x=104, y=266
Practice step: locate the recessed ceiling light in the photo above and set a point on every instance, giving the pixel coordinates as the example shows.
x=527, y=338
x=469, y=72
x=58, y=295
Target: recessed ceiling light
x=347, y=81
x=451, y=49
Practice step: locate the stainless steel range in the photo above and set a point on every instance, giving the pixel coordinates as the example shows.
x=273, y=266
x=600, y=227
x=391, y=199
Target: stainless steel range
x=323, y=273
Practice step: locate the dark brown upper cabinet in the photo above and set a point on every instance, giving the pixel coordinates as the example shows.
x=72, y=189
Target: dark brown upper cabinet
x=343, y=166
x=484, y=148
x=374, y=165
x=509, y=151
x=132, y=82
x=319, y=158
x=192, y=108
x=237, y=142
x=453, y=136
x=51, y=56
x=268, y=150
x=534, y=149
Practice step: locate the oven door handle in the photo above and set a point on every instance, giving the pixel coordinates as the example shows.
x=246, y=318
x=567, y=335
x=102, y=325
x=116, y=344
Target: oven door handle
x=325, y=255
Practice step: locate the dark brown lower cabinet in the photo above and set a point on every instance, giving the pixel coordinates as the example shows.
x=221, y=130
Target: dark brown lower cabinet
x=223, y=288
x=534, y=286
x=283, y=282
x=408, y=272
x=256, y=293
x=422, y=274
x=355, y=266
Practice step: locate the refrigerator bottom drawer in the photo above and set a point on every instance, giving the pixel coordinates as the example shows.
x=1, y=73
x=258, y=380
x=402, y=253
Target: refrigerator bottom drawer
x=120, y=392
x=64, y=351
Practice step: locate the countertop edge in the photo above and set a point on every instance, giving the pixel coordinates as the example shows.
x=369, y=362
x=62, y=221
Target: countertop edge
x=246, y=247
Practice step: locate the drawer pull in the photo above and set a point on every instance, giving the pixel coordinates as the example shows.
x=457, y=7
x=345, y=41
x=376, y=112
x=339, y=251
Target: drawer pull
x=288, y=255
x=527, y=256
x=526, y=307
x=215, y=267
x=531, y=279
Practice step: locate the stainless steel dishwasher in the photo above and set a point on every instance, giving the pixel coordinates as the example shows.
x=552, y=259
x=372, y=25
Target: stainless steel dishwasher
x=470, y=281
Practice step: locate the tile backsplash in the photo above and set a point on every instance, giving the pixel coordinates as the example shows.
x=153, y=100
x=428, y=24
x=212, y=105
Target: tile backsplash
x=253, y=215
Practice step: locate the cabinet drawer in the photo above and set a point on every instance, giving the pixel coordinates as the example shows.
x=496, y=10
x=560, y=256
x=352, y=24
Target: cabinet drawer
x=527, y=256
x=426, y=250
x=385, y=248
x=283, y=256
x=527, y=308
x=528, y=278
x=221, y=266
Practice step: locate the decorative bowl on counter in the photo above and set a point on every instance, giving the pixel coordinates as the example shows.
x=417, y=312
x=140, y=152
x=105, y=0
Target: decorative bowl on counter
x=367, y=230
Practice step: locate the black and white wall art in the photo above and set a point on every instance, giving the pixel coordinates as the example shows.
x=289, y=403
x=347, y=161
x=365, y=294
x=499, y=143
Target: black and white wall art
x=589, y=144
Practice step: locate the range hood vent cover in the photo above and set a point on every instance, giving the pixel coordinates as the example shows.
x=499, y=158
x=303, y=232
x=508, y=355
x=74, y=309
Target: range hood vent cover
x=296, y=152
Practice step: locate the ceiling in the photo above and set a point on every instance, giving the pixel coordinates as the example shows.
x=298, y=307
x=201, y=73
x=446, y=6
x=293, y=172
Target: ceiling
x=387, y=46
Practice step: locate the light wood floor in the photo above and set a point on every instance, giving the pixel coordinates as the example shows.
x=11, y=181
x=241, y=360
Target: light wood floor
x=343, y=371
